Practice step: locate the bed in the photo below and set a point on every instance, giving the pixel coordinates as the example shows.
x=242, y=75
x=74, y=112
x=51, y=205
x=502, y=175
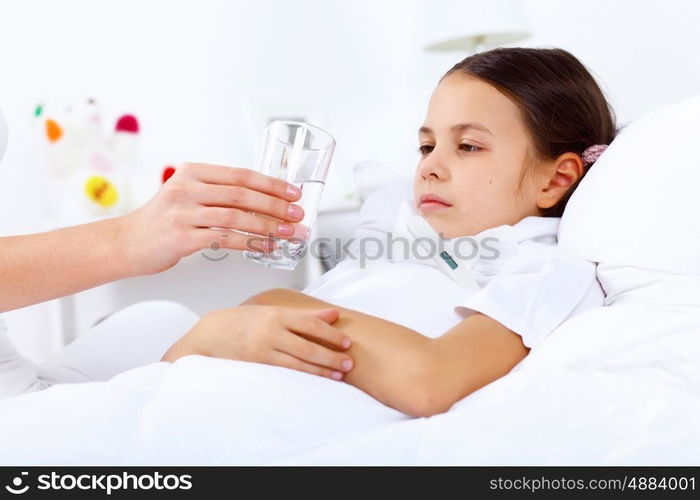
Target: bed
x=618, y=384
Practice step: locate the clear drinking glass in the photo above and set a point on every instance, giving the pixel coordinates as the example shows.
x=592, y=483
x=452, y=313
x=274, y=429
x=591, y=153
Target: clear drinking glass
x=300, y=154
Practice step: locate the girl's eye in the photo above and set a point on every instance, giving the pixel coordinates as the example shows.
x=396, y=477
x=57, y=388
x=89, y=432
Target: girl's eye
x=424, y=150
x=466, y=147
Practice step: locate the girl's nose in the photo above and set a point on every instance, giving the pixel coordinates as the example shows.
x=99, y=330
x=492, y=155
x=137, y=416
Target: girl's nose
x=433, y=166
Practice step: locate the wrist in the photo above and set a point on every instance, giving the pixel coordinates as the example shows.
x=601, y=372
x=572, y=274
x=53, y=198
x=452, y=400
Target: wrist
x=127, y=252
x=109, y=237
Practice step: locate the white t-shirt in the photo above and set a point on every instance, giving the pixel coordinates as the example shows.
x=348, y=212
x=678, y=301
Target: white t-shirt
x=531, y=289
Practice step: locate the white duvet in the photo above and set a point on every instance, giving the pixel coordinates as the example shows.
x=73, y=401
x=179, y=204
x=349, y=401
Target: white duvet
x=613, y=385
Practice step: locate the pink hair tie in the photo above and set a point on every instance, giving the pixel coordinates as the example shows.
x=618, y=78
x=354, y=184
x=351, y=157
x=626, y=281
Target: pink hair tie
x=592, y=153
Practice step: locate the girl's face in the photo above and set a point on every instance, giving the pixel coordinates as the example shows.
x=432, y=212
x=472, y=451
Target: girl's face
x=473, y=147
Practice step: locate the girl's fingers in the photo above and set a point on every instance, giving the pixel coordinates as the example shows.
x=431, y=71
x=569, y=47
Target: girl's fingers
x=329, y=315
x=239, y=220
x=238, y=176
x=311, y=352
x=216, y=195
x=304, y=321
x=285, y=360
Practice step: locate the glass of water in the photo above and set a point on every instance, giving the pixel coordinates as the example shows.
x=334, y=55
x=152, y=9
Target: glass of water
x=300, y=154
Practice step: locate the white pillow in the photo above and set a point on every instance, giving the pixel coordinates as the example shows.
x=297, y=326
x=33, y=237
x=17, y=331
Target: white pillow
x=370, y=175
x=636, y=211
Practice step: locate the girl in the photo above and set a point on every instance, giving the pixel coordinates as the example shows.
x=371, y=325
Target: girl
x=506, y=140
x=500, y=154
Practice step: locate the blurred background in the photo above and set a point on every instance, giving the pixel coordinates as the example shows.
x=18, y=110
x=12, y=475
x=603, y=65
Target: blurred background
x=204, y=77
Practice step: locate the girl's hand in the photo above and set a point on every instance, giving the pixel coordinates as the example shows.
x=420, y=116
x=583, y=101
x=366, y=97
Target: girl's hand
x=176, y=222
x=272, y=335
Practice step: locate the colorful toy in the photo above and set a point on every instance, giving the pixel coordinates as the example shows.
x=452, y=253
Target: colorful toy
x=90, y=171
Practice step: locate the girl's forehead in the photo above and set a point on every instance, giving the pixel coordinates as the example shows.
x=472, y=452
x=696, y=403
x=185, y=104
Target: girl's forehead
x=466, y=99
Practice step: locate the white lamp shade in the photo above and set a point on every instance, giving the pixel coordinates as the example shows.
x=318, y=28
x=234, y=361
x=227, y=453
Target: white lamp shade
x=468, y=25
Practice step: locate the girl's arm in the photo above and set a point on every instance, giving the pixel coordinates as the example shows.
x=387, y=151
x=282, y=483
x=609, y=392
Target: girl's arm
x=408, y=371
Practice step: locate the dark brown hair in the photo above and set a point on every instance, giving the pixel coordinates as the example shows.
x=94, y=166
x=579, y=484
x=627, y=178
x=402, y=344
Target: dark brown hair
x=563, y=108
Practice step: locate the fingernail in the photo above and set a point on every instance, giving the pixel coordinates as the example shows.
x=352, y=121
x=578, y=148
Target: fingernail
x=296, y=211
x=285, y=229
x=336, y=375
x=347, y=364
x=346, y=342
x=293, y=190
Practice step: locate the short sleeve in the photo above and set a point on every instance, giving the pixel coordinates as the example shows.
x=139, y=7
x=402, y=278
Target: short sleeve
x=536, y=291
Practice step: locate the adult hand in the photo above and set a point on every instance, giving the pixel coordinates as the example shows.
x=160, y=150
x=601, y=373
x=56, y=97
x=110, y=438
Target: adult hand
x=178, y=220
x=300, y=339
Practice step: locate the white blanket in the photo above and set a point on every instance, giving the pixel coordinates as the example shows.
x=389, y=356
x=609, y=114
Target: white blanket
x=614, y=385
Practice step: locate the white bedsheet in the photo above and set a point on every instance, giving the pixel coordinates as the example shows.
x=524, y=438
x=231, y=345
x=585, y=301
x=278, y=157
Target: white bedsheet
x=614, y=385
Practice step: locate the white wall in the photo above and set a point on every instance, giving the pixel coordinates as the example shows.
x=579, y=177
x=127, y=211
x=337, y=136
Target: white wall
x=201, y=75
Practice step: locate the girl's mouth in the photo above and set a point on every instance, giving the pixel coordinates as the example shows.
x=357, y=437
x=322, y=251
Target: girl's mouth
x=433, y=205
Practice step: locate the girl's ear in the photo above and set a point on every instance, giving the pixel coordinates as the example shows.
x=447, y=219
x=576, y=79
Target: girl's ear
x=567, y=169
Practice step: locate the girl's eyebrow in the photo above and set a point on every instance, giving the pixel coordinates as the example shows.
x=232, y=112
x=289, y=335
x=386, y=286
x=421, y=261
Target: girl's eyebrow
x=458, y=128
